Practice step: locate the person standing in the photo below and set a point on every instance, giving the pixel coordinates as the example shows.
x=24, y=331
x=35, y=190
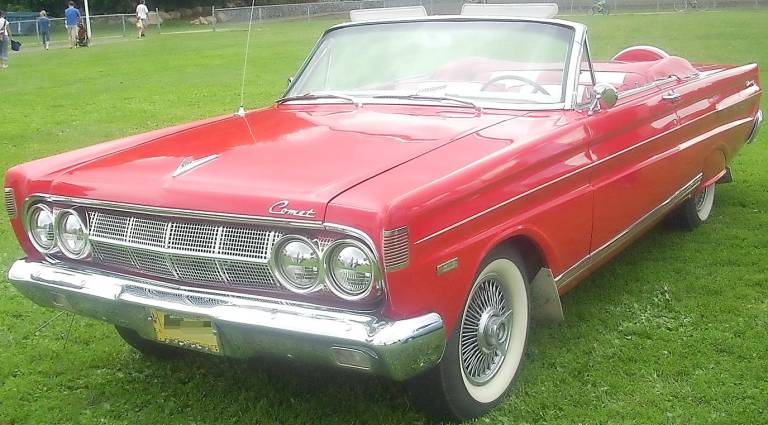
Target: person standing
x=141, y=17
x=43, y=28
x=71, y=19
x=5, y=40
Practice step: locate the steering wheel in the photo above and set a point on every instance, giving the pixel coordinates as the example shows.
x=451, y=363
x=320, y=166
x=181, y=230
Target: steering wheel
x=528, y=81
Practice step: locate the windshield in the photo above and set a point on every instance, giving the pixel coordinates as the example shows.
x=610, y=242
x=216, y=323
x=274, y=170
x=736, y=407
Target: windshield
x=507, y=62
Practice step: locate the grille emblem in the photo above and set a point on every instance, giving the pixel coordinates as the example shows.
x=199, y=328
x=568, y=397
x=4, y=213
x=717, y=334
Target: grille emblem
x=188, y=164
x=281, y=208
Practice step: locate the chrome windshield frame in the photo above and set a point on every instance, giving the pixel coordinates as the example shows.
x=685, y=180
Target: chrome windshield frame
x=571, y=66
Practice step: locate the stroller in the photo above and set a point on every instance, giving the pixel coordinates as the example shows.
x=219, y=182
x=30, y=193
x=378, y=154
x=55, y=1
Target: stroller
x=82, y=35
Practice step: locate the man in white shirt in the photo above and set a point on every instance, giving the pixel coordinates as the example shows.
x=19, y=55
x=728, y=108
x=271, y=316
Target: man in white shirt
x=141, y=17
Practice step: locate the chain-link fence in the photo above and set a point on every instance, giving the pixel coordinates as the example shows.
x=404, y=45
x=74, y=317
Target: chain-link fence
x=230, y=18
x=105, y=27
x=102, y=27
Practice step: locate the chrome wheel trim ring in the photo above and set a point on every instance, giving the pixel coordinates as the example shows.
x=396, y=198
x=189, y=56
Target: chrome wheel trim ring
x=501, y=291
x=704, y=201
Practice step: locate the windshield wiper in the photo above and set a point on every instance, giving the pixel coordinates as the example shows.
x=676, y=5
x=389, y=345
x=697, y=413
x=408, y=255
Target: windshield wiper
x=465, y=102
x=320, y=95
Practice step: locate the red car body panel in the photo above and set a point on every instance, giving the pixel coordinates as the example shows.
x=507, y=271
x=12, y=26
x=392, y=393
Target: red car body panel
x=567, y=182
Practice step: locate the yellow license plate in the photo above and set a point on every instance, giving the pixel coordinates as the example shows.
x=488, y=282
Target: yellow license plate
x=196, y=333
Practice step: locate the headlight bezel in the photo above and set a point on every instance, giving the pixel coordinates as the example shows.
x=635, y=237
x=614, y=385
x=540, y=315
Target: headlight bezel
x=58, y=222
x=329, y=256
x=28, y=223
x=277, y=269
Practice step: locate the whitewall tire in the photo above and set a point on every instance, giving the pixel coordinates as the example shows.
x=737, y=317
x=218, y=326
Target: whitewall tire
x=485, y=352
x=697, y=209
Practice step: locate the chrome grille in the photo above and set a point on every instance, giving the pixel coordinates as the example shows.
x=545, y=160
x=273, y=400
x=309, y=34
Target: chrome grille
x=395, y=249
x=10, y=202
x=227, y=255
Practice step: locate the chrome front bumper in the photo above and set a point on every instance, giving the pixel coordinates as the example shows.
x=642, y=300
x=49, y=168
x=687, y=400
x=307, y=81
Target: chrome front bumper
x=245, y=326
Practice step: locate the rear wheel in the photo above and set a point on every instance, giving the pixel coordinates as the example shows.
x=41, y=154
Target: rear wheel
x=485, y=351
x=696, y=209
x=148, y=347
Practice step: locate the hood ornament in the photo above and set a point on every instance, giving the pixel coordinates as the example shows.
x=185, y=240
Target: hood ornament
x=188, y=164
x=281, y=208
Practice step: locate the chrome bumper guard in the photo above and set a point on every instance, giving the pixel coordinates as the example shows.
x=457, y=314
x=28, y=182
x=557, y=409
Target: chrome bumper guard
x=245, y=326
x=755, y=127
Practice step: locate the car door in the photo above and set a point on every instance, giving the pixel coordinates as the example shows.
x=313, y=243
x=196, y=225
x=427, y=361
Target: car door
x=633, y=145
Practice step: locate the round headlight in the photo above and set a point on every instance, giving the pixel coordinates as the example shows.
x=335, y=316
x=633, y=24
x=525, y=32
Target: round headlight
x=351, y=268
x=72, y=235
x=40, y=228
x=296, y=263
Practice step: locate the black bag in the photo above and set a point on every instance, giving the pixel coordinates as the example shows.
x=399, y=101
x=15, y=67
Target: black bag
x=15, y=45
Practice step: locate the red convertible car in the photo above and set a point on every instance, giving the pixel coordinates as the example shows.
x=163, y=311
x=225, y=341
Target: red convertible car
x=426, y=187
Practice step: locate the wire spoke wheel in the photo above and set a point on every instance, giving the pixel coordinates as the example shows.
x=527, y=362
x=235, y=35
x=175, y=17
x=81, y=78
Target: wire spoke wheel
x=493, y=331
x=485, y=331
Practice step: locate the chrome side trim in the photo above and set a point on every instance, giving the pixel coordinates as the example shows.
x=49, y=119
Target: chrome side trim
x=756, y=128
x=685, y=145
x=631, y=231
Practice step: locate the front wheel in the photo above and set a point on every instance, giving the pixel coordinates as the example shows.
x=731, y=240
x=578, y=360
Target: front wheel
x=485, y=351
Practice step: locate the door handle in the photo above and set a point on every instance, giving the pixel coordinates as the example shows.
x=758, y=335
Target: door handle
x=671, y=96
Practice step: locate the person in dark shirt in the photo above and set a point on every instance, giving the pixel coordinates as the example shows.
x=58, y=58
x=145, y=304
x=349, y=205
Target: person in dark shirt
x=43, y=28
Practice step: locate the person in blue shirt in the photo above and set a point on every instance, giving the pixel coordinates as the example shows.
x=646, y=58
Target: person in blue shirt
x=43, y=28
x=72, y=18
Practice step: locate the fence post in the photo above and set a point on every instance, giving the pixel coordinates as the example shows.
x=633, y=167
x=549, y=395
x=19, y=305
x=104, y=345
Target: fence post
x=157, y=18
x=259, y=15
x=308, y=13
x=123, y=18
x=213, y=17
x=571, y=7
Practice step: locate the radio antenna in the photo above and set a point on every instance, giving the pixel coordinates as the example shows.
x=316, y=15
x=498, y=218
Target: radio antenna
x=241, y=110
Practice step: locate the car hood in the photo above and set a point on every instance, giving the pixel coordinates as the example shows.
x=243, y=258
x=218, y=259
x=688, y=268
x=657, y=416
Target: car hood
x=286, y=161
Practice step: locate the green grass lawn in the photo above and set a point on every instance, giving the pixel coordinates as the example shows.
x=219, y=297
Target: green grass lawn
x=675, y=330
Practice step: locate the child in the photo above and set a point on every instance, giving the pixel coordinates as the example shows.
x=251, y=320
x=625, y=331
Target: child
x=43, y=28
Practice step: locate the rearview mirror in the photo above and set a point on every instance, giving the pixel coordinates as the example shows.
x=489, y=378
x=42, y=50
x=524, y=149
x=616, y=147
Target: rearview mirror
x=605, y=96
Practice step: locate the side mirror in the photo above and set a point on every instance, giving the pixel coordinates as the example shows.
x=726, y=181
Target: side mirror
x=605, y=96
x=290, y=80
